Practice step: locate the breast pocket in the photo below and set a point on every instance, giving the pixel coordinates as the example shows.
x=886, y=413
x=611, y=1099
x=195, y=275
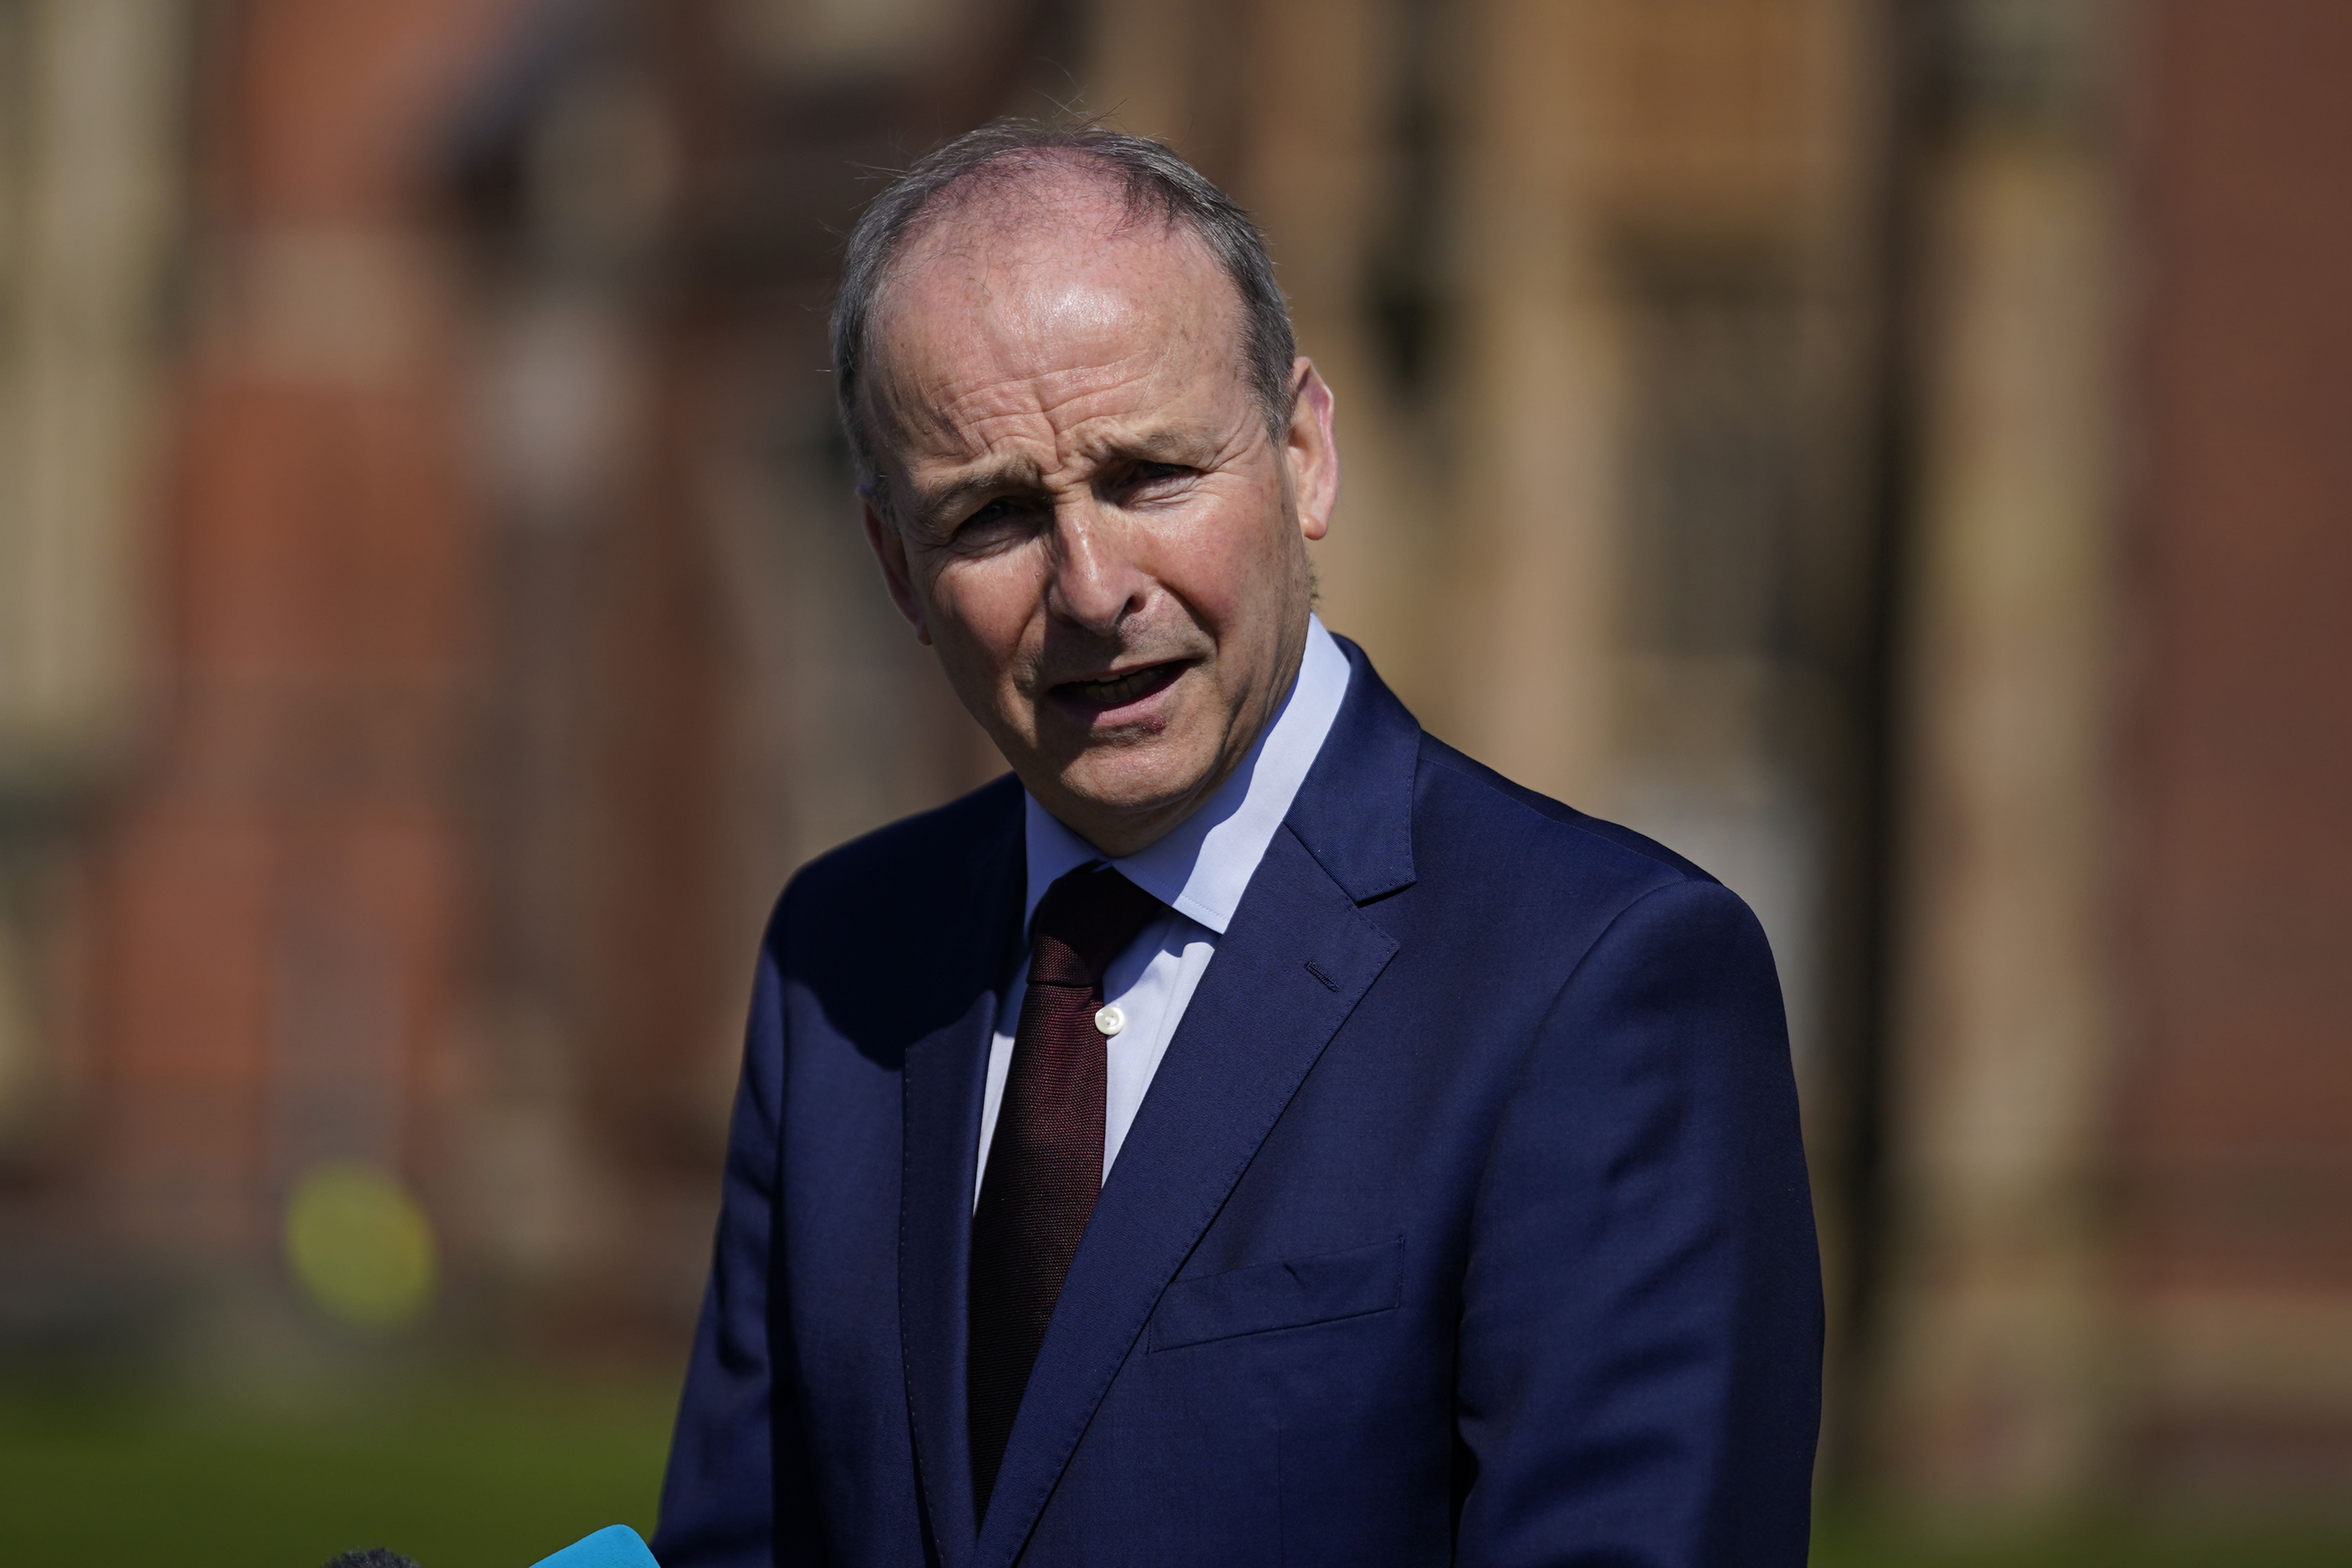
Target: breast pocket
x=1296, y=1294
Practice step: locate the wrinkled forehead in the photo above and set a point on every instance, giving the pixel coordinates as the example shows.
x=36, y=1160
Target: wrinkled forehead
x=1050, y=276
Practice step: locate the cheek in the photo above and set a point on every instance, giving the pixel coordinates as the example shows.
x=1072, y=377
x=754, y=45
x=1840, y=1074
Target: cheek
x=1234, y=571
x=984, y=609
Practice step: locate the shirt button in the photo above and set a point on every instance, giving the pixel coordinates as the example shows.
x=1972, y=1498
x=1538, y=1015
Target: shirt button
x=1110, y=1020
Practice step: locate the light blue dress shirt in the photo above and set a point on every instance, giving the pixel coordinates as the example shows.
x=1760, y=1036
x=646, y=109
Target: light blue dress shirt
x=1199, y=870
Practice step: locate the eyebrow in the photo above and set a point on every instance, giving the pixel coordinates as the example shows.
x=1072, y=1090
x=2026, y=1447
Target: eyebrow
x=932, y=505
x=1020, y=473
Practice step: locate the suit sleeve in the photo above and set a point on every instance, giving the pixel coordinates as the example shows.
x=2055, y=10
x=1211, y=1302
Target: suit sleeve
x=737, y=1493
x=1639, y=1373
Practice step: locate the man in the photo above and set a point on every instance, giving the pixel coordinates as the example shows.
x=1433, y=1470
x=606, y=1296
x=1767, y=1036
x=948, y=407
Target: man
x=1253, y=1133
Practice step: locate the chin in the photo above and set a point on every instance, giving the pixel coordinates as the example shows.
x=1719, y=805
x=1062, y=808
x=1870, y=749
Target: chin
x=1129, y=784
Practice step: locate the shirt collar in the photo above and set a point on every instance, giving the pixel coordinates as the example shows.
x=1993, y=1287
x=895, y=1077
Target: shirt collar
x=1201, y=865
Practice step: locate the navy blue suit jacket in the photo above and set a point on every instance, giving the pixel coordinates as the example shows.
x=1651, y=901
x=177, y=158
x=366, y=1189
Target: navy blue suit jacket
x=1466, y=1220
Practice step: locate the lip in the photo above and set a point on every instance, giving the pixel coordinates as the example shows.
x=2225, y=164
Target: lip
x=1073, y=697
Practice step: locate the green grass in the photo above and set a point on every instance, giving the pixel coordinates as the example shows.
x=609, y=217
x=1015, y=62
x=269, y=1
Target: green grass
x=486, y=1477
x=496, y=1475
x=2204, y=1541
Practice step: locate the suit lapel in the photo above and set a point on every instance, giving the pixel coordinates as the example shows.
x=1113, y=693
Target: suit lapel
x=1286, y=973
x=945, y=1074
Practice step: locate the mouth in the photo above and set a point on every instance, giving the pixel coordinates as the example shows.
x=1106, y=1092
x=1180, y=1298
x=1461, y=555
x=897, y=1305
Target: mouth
x=1109, y=693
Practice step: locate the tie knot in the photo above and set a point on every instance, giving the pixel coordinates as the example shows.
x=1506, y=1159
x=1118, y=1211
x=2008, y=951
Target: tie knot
x=1085, y=918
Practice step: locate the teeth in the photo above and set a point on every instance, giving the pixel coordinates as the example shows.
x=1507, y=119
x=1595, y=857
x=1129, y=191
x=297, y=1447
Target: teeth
x=1112, y=693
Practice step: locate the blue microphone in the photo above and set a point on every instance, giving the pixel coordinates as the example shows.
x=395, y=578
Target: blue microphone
x=615, y=1546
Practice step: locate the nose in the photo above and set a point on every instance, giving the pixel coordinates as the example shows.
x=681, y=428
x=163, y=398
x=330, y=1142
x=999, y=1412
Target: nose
x=1097, y=583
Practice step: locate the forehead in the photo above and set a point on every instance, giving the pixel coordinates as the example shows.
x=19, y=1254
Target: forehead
x=1044, y=290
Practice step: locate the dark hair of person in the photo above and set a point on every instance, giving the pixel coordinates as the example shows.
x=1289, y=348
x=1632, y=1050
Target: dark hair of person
x=372, y=1557
x=1152, y=181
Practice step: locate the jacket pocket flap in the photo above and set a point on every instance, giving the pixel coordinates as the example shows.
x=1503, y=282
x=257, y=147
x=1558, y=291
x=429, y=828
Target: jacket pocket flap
x=1290, y=1294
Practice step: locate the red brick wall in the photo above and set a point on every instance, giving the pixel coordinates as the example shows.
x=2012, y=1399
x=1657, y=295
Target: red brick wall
x=2237, y=1135
x=278, y=909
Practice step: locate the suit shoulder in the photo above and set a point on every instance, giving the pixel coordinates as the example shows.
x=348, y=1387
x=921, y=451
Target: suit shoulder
x=909, y=864
x=1463, y=789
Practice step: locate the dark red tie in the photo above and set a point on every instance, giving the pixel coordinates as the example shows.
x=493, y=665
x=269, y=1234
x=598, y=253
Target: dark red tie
x=1044, y=1163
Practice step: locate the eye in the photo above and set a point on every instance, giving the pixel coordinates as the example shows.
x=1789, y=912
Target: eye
x=993, y=522
x=1150, y=480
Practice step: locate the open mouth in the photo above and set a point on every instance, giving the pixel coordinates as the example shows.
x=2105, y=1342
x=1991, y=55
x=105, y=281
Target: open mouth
x=1118, y=691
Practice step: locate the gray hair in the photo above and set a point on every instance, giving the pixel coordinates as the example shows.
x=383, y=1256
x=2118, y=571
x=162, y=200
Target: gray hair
x=1152, y=182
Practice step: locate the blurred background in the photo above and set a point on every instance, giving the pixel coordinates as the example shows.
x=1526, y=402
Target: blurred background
x=1898, y=452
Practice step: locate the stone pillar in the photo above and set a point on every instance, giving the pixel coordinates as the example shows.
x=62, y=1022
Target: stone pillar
x=1997, y=1328
x=1532, y=616
x=92, y=176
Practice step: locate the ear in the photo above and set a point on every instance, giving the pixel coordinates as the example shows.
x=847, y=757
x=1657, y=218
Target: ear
x=890, y=549
x=1312, y=450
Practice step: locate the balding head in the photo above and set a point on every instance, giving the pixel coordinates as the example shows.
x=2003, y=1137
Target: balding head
x=1016, y=174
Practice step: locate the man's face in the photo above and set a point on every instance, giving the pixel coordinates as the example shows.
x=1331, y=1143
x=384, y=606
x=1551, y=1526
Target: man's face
x=1085, y=513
